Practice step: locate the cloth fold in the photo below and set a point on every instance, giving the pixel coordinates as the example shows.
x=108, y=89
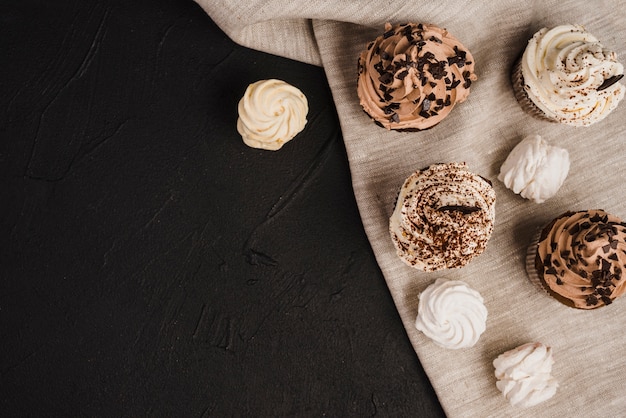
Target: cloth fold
x=481, y=131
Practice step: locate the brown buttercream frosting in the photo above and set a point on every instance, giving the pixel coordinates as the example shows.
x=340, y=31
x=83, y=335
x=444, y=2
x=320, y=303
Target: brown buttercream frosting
x=580, y=257
x=412, y=76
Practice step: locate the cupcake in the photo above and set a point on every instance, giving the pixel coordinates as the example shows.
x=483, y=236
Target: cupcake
x=451, y=313
x=443, y=217
x=271, y=113
x=412, y=76
x=534, y=169
x=578, y=259
x=566, y=75
x=525, y=374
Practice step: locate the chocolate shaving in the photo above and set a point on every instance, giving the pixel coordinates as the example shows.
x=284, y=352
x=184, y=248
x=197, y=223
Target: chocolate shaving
x=386, y=78
x=596, y=218
x=610, y=81
x=459, y=208
x=591, y=300
x=552, y=271
x=607, y=300
x=402, y=75
x=574, y=230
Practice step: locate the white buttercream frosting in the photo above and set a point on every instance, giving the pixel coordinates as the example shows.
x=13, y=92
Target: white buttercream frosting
x=451, y=313
x=443, y=218
x=271, y=113
x=564, y=69
x=534, y=169
x=524, y=374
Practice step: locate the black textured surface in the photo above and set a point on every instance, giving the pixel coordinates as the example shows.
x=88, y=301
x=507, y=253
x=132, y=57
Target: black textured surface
x=153, y=265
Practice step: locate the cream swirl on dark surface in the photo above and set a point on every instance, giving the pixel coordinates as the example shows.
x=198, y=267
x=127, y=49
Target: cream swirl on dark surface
x=581, y=256
x=412, y=76
x=571, y=76
x=443, y=217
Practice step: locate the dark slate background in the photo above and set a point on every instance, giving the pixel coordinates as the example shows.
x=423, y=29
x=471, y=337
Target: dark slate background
x=151, y=264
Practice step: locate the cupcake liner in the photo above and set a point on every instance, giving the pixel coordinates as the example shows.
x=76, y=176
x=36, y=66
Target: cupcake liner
x=517, y=81
x=531, y=263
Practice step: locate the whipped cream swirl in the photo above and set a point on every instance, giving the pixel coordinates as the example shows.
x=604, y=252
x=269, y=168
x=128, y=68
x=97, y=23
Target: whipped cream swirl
x=443, y=217
x=451, y=313
x=271, y=113
x=534, y=169
x=570, y=76
x=412, y=76
x=525, y=374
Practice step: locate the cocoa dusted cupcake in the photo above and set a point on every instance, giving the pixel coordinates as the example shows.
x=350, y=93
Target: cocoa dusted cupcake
x=578, y=258
x=566, y=75
x=413, y=75
x=443, y=217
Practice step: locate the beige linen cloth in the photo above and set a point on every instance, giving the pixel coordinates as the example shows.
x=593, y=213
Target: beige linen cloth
x=589, y=346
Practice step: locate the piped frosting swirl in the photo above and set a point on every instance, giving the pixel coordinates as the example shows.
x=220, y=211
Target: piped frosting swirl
x=581, y=256
x=271, y=113
x=412, y=76
x=443, y=217
x=570, y=76
x=525, y=374
x=451, y=313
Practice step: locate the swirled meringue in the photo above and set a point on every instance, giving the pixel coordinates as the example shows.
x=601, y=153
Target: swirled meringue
x=524, y=374
x=443, y=217
x=271, y=113
x=534, y=169
x=451, y=313
x=570, y=76
x=412, y=76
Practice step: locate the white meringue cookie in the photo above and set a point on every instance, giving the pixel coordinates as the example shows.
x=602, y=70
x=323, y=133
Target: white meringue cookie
x=524, y=374
x=534, y=169
x=271, y=113
x=451, y=313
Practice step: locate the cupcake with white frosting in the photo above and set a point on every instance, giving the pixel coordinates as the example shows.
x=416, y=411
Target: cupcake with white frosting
x=566, y=75
x=443, y=218
x=525, y=374
x=271, y=113
x=451, y=313
x=535, y=169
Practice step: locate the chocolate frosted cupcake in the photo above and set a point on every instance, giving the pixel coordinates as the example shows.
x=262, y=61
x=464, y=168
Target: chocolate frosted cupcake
x=566, y=76
x=578, y=259
x=443, y=217
x=412, y=76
